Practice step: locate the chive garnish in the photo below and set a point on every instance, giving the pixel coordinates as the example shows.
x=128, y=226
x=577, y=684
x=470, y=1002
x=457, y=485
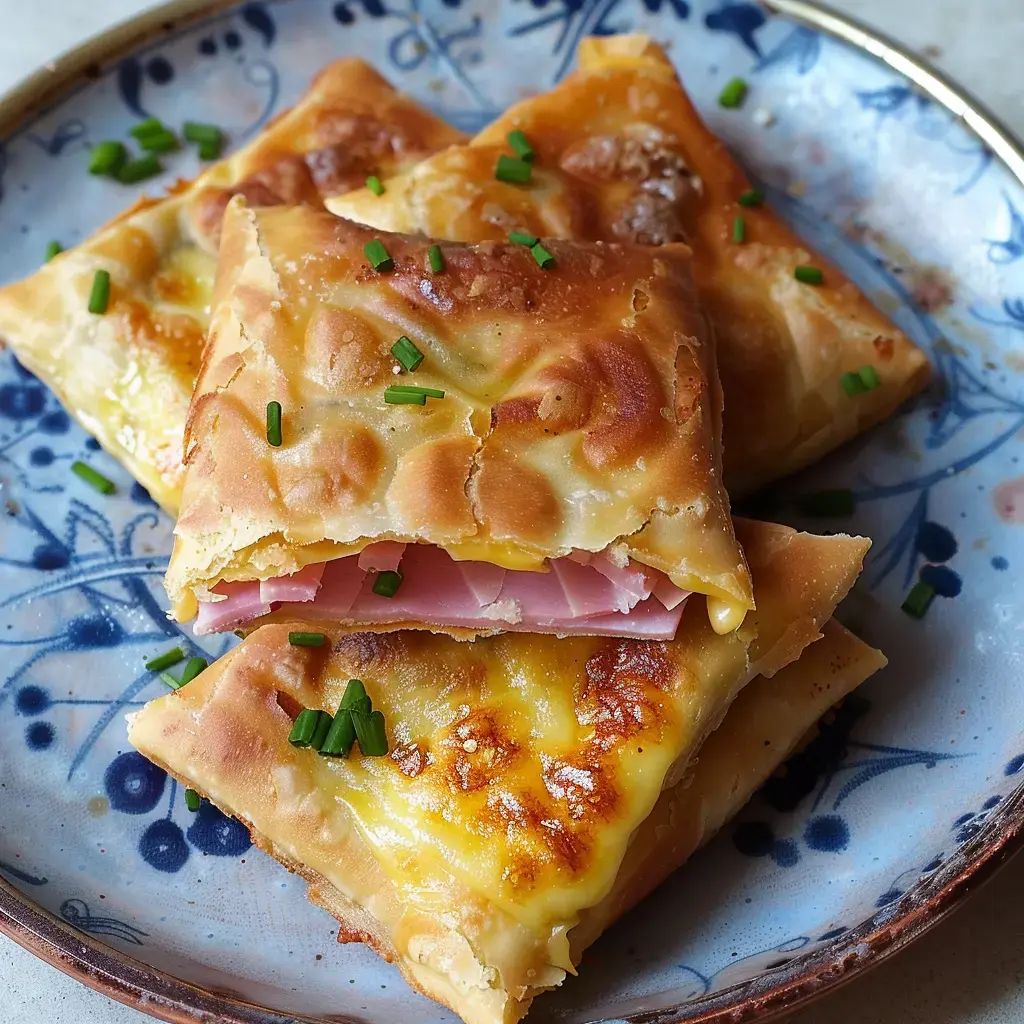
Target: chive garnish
x=139, y=170
x=521, y=238
x=752, y=197
x=53, y=249
x=544, y=259
x=739, y=230
x=370, y=731
x=852, y=384
x=99, y=294
x=373, y=183
x=151, y=126
x=323, y=728
x=92, y=478
x=413, y=389
x=192, y=800
x=107, y=158
x=512, y=170
x=356, y=698
x=210, y=150
x=521, y=145
x=404, y=397
x=378, y=256
x=274, y=437
x=304, y=728
x=838, y=502
x=166, y=677
x=869, y=377
x=165, y=660
x=808, y=275
x=435, y=258
x=919, y=599
x=160, y=142
x=407, y=353
x=733, y=95
x=306, y=639
x=387, y=583
x=342, y=734
x=196, y=131
x=192, y=668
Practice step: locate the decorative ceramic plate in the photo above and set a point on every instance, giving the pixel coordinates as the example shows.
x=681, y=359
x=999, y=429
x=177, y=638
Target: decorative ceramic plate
x=873, y=831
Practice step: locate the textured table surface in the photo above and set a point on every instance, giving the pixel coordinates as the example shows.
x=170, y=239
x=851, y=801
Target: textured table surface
x=970, y=970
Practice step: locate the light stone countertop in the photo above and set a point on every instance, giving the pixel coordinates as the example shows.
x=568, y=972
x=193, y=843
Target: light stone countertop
x=969, y=970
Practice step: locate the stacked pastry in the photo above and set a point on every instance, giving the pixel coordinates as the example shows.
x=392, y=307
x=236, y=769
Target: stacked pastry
x=453, y=461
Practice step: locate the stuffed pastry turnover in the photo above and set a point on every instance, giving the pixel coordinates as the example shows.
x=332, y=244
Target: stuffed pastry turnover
x=621, y=154
x=518, y=770
x=551, y=464
x=127, y=376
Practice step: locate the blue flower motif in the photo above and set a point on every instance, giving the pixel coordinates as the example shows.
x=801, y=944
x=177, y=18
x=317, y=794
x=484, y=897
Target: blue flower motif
x=214, y=833
x=77, y=913
x=163, y=846
x=741, y=20
x=802, y=48
x=133, y=784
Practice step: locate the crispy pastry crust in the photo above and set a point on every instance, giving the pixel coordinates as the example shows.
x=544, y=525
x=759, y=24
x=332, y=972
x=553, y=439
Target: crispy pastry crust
x=582, y=408
x=521, y=766
x=622, y=154
x=127, y=377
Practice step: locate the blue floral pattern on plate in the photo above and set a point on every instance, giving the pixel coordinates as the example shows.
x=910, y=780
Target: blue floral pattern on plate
x=889, y=185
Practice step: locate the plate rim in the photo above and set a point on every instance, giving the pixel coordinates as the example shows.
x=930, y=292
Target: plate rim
x=166, y=997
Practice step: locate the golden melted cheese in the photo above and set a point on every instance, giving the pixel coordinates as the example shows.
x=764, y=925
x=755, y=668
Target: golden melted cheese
x=623, y=155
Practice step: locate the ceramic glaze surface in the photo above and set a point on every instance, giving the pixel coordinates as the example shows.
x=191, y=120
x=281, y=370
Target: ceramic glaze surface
x=912, y=206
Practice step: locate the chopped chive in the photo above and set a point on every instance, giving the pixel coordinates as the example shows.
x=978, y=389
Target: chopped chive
x=852, y=384
x=373, y=183
x=808, y=275
x=323, y=728
x=166, y=677
x=436, y=259
x=869, y=377
x=304, y=728
x=544, y=259
x=733, y=95
x=92, y=478
x=512, y=170
x=306, y=639
x=139, y=170
x=387, y=583
x=521, y=238
x=165, y=660
x=151, y=126
x=53, y=249
x=211, y=150
x=195, y=131
x=370, y=731
x=739, y=230
x=107, y=158
x=838, y=502
x=407, y=353
x=919, y=599
x=752, y=197
x=413, y=389
x=192, y=800
x=274, y=436
x=192, y=668
x=160, y=142
x=99, y=294
x=378, y=256
x=356, y=698
x=521, y=145
x=392, y=397
x=342, y=734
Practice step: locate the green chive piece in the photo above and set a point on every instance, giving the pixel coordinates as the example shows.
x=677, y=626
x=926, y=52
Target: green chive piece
x=210, y=150
x=370, y=731
x=356, y=698
x=407, y=353
x=387, y=583
x=304, y=727
x=196, y=131
x=521, y=238
x=544, y=259
x=919, y=599
x=809, y=275
x=869, y=377
x=139, y=170
x=192, y=800
x=521, y=145
x=323, y=728
x=413, y=389
x=92, y=478
x=752, y=197
x=160, y=142
x=852, y=384
x=838, y=502
x=378, y=256
x=733, y=95
x=739, y=230
x=513, y=170
x=107, y=158
x=151, y=126
x=392, y=397
x=166, y=677
x=436, y=259
x=306, y=639
x=274, y=436
x=165, y=660
x=53, y=249
x=99, y=294
x=342, y=735
x=192, y=668
x=373, y=183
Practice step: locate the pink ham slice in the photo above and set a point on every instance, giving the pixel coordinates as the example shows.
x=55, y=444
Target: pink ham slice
x=484, y=579
x=383, y=556
x=300, y=586
x=242, y=603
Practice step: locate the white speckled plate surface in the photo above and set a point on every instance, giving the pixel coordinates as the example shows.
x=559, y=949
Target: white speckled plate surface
x=905, y=790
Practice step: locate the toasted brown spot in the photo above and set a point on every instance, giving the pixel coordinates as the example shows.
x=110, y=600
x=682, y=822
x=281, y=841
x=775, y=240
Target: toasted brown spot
x=884, y=347
x=689, y=384
x=514, y=500
x=343, y=351
x=477, y=751
x=529, y=823
x=428, y=488
x=411, y=759
x=583, y=784
x=641, y=300
x=358, y=651
x=341, y=470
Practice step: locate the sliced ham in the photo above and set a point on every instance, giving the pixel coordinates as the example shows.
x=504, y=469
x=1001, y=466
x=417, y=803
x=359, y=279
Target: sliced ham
x=385, y=555
x=242, y=603
x=635, y=578
x=300, y=586
x=485, y=580
x=668, y=593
